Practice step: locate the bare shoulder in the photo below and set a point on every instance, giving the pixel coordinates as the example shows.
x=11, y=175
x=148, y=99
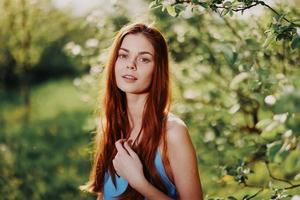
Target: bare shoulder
x=183, y=159
x=174, y=120
x=176, y=129
x=178, y=138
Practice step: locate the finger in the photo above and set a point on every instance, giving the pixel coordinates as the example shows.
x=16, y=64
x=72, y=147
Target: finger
x=129, y=149
x=114, y=163
x=115, y=166
x=121, y=140
x=120, y=147
x=130, y=142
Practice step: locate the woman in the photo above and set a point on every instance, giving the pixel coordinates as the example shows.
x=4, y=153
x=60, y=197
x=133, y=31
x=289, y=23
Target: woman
x=142, y=151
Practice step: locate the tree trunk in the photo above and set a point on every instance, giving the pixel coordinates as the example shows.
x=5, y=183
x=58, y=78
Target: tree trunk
x=26, y=66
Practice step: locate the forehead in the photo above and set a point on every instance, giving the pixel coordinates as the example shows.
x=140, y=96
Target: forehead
x=137, y=43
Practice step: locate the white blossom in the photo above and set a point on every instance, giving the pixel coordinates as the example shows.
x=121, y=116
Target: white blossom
x=92, y=43
x=270, y=100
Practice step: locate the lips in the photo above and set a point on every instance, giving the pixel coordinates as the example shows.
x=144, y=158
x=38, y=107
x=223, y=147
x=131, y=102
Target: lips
x=129, y=77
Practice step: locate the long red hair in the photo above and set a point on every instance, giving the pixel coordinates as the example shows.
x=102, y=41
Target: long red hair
x=116, y=123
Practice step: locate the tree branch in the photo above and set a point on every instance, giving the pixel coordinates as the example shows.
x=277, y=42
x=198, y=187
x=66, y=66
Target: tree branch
x=274, y=11
x=242, y=9
x=291, y=187
x=254, y=195
x=275, y=178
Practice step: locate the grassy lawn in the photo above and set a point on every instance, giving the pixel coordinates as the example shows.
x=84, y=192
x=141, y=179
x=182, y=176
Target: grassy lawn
x=51, y=157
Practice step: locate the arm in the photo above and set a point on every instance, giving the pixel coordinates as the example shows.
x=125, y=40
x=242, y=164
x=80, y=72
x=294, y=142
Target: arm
x=183, y=161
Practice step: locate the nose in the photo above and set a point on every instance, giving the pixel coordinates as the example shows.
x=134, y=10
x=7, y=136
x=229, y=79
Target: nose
x=131, y=65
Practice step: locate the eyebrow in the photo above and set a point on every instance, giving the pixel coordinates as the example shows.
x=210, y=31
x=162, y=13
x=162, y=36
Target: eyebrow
x=141, y=52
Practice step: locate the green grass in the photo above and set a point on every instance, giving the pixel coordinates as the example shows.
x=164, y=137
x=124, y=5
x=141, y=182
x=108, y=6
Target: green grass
x=56, y=97
x=47, y=102
x=51, y=157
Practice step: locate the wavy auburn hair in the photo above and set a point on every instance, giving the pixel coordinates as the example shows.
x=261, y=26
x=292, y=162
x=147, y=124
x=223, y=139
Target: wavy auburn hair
x=116, y=123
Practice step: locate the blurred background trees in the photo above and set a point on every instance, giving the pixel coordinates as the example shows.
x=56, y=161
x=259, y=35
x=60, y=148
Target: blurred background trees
x=235, y=70
x=238, y=91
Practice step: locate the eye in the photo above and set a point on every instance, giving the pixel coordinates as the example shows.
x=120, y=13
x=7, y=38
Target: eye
x=121, y=55
x=144, y=60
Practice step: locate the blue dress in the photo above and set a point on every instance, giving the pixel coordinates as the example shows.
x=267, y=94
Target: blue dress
x=110, y=191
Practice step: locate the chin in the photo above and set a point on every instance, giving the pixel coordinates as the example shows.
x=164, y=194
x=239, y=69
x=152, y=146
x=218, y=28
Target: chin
x=133, y=90
x=127, y=89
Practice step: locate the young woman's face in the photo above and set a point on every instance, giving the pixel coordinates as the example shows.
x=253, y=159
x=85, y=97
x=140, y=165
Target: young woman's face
x=135, y=64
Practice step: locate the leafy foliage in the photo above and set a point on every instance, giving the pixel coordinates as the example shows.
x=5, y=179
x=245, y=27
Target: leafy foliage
x=234, y=88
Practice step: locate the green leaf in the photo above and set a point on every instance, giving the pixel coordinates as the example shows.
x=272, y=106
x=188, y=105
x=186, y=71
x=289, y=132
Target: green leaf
x=231, y=198
x=273, y=149
x=297, y=177
x=263, y=123
x=233, y=58
x=179, y=8
x=234, y=84
x=155, y=4
x=281, y=156
x=204, y=4
x=229, y=54
x=273, y=125
x=272, y=131
x=227, y=4
x=225, y=11
x=292, y=162
x=152, y=4
x=270, y=135
x=296, y=42
x=269, y=40
x=171, y=11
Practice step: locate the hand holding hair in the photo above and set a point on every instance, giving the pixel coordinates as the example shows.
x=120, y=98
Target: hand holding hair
x=127, y=164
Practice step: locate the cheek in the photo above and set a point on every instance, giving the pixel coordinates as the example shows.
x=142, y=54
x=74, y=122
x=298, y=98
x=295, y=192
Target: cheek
x=118, y=67
x=149, y=75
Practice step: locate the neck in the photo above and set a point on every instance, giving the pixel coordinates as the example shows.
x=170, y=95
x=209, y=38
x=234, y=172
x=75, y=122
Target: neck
x=135, y=106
